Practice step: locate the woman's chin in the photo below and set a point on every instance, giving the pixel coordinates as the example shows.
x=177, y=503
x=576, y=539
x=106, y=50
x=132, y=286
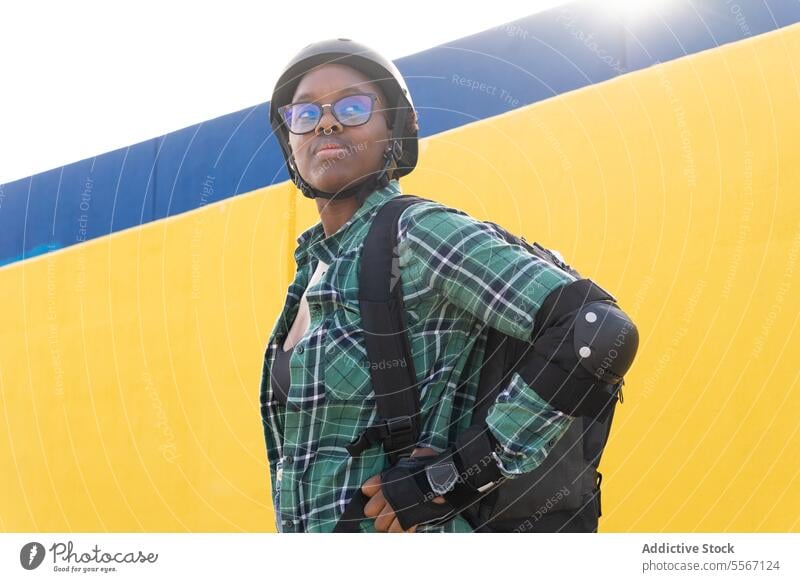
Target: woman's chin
x=334, y=184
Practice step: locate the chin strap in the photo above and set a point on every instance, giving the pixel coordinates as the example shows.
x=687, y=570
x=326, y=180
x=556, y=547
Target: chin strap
x=372, y=183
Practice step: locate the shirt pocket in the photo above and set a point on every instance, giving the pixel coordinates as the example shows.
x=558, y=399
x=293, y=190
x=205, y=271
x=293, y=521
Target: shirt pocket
x=347, y=375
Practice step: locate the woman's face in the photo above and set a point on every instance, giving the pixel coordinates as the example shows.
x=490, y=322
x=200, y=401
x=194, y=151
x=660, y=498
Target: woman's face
x=359, y=150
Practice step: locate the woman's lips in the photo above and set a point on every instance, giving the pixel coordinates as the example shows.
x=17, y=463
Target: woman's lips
x=330, y=151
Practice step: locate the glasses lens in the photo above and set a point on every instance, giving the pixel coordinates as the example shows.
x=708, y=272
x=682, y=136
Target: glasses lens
x=301, y=117
x=353, y=109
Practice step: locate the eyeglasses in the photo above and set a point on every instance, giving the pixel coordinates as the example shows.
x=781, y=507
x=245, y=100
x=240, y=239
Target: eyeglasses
x=350, y=111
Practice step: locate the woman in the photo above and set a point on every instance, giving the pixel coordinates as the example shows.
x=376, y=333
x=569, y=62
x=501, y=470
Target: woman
x=347, y=127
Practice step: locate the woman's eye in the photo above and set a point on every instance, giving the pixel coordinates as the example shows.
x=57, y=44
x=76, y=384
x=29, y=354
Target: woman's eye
x=356, y=106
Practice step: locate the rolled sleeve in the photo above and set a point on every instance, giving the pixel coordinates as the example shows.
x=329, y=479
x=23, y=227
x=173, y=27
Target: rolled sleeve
x=525, y=426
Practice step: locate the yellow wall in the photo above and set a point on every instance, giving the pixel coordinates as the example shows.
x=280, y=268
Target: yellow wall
x=130, y=365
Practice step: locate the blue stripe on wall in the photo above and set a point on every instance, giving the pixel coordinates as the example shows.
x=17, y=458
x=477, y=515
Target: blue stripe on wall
x=473, y=78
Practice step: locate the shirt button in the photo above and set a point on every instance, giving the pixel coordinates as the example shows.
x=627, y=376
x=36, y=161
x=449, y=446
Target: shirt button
x=288, y=460
x=299, y=349
x=288, y=523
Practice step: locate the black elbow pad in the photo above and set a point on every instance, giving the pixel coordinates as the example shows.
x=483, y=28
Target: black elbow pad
x=605, y=341
x=584, y=345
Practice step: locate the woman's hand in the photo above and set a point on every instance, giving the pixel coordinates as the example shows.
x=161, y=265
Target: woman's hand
x=378, y=508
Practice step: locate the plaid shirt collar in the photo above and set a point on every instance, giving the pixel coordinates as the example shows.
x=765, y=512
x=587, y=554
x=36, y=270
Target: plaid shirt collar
x=314, y=242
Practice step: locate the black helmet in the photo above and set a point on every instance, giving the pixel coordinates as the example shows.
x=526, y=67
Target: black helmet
x=382, y=72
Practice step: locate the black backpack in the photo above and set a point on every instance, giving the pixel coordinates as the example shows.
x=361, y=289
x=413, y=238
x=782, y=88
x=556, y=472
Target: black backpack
x=562, y=494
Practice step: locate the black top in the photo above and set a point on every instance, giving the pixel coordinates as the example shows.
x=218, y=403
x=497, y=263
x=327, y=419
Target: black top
x=281, y=379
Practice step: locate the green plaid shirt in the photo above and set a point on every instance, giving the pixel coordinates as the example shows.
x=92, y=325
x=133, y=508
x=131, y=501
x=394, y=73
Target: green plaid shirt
x=457, y=277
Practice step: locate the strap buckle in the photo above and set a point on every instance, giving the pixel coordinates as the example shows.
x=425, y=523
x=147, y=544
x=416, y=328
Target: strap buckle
x=392, y=432
x=399, y=427
x=399, y=441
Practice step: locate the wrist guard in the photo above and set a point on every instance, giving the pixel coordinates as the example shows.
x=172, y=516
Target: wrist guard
x=462, y=474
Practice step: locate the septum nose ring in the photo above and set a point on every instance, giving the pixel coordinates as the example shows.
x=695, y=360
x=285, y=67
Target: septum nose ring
x=327, y=131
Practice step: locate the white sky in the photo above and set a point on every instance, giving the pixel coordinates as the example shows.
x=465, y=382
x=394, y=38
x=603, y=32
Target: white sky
x=80, y=78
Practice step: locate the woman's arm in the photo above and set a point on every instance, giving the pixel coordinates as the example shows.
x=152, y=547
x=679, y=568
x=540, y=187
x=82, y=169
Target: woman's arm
x=501, y=284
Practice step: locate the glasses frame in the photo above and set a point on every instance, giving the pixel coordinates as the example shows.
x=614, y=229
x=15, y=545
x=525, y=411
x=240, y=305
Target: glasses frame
x=282, y=111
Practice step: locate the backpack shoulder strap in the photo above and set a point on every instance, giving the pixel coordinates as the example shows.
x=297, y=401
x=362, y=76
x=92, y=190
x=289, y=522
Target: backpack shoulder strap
x=383, y=321
x=388, y=350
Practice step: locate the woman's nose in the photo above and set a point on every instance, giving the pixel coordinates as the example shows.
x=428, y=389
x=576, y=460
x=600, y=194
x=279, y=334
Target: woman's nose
x=328, y=121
